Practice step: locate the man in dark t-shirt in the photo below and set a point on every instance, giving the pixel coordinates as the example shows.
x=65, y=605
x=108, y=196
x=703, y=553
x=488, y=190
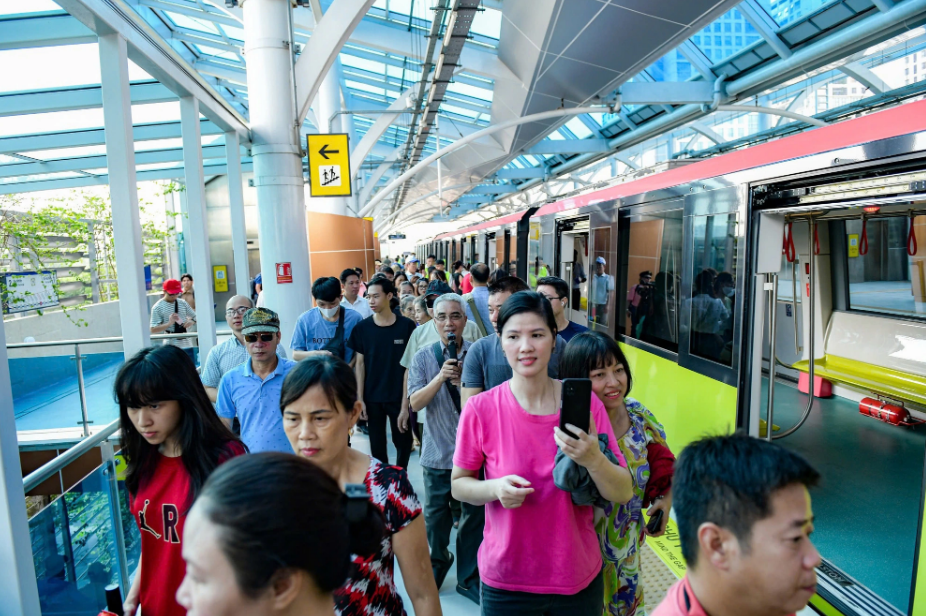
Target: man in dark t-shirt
x=379, y=342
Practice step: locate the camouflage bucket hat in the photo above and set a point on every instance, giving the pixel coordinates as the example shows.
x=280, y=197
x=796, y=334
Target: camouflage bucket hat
x=260, y=320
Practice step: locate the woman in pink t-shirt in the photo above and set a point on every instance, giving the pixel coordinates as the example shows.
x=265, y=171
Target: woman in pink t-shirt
x=540, y=554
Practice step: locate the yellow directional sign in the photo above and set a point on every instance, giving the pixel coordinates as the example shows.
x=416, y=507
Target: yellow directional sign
x=329, y=165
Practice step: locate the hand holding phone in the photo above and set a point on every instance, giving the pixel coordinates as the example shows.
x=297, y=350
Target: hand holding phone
x=576, y=405
x=655, y=522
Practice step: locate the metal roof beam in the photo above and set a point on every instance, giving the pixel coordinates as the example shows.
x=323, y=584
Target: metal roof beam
x=151, y=157
x=865, y=76
x=95, y=136
x=173, y=173
x=568, y=146
x=493, y=189
x=65, y=99
x=698, y=59
x=198, y=10
x=158, y=59
x=521, y=174
x=666, y=92
x=765, y=26
x=43, y=31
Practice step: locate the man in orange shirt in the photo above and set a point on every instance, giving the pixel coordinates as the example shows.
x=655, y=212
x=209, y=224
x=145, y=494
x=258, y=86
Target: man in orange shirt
x=744, y=521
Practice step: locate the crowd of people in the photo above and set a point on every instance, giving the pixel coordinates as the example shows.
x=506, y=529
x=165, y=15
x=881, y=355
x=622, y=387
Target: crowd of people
x=251, y=500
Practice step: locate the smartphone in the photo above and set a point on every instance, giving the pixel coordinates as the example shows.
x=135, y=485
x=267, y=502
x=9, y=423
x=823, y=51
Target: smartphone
x=655, y=522
x=576, y=405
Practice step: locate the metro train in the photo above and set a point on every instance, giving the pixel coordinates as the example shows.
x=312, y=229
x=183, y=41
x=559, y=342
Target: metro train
x=813, y=245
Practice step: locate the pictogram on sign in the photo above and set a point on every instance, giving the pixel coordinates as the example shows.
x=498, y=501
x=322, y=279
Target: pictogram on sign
x=284, y=273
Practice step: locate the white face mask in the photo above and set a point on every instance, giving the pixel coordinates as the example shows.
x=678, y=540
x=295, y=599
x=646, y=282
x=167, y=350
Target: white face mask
x=729, y=291
x=329, y=312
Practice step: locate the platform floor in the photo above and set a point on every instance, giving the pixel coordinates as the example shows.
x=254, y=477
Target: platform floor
x=867, y=506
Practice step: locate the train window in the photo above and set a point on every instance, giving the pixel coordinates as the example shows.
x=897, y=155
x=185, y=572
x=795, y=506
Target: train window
x=537, y=267
x=602, y=281
x=712, y=289
x=883, y=277
x=654, y=263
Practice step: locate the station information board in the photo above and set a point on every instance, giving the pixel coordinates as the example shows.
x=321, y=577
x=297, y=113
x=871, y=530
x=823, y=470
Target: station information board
x=329, y=165
x=24, y=291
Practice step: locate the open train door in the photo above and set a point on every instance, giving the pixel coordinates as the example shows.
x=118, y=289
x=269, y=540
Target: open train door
x=571, y=259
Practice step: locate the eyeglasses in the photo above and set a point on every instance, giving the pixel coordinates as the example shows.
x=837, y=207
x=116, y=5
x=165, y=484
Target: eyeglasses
x=455, y=317
x=240, y=310
x=264, y=337
x=551, y=298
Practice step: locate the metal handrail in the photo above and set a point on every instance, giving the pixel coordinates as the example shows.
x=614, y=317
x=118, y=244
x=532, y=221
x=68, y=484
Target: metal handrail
x=33, y=345
x=33, y=479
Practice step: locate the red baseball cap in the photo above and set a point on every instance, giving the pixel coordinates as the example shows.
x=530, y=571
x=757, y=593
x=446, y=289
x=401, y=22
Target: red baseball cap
x=172, y=286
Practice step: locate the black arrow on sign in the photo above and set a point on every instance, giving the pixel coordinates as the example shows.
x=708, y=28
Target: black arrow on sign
x=325, y=151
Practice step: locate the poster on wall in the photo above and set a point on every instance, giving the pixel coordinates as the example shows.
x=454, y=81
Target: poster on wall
x=24, y=291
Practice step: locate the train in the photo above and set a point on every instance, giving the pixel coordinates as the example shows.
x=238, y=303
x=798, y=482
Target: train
x=810, y=246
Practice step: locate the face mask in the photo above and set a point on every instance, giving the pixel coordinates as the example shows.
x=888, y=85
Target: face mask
x=329, y=312
x=729, y=291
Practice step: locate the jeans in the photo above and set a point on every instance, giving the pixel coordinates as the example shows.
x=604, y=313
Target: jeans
x=586, y=602
x=377, y=413
x=438, y=520
x=192, y=353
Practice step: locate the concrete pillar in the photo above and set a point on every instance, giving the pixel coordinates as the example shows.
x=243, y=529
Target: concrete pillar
x=198, y=234
x=17, y=583
x=123, y=192
x=236, y=210
x=277, y=160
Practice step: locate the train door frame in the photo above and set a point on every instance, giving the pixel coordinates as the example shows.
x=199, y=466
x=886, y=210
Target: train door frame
x=506, y=250
x=559, y=226
x=523, y=230
x=601, y=218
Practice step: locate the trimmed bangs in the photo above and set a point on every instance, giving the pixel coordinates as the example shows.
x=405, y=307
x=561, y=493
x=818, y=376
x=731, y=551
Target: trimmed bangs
x=591, y=351
x=144, y=383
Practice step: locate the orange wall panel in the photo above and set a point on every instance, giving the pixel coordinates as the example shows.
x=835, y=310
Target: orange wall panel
x=330, y=232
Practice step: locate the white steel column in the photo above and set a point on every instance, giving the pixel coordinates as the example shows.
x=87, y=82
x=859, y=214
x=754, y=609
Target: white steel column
x=277, y=160
x=196, y=232
x=123, y=193
x=328, y=104
x=17, y=583
x=236, y=209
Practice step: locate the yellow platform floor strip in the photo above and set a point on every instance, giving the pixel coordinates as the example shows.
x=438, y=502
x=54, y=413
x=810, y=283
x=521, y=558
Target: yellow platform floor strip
x=669, y=549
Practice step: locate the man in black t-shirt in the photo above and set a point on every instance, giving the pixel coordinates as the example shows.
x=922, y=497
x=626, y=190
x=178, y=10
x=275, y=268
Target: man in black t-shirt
x=379, y=342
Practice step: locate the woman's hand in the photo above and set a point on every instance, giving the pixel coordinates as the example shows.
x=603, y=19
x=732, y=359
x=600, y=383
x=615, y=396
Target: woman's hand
x=583, y=450
x=511, y=491
x=663, y=504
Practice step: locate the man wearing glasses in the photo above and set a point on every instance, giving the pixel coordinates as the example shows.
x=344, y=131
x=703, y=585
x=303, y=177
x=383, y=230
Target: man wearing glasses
x=232, y=352
x=251, y=391
x=435, y=384
x=557, y=291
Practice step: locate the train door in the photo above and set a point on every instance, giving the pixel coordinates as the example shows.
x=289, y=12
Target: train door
x=572, y=263
x=539, y=250
x=842, y=312
x=491, y=251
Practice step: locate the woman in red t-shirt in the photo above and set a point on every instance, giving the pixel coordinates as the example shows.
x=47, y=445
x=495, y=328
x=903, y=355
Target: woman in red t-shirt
x=172, y=440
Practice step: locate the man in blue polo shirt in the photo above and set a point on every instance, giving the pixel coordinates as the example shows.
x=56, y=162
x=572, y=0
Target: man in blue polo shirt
x=251, y=391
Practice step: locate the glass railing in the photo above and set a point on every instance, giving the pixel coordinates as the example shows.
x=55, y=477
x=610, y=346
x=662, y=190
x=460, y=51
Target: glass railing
x=67, y=384
x=85, y=540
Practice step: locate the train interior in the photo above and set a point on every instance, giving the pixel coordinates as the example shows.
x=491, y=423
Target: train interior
x=863, y=260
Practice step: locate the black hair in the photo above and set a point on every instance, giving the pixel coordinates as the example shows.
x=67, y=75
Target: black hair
x=524, y=302
x=400, y=274
x=508, y=284
x=431, y=268
x=432, y=256
x=560, y=285
x=332, y=374
x=480, y=273
x=326, y=288
x=420, y=280
x=347, y=274
x=158, y=374
x=457, y=264
x=383, y=283
x=440, y=262
x=186, y=276
x=497, y=275
x=442, y=276
x=590, y=351
x=276, y=511
x=386, y=268
x=704, y=282
x=730, y=480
